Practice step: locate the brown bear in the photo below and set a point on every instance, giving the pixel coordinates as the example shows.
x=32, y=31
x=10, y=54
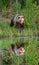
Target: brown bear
x=17, y=21
x=18, y=49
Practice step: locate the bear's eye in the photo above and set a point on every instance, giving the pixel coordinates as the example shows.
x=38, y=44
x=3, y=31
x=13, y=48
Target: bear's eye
x=18, y=17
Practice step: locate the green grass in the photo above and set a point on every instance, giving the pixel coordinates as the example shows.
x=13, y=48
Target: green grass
x=30, y=14
x=31, y=52
x=7, y=35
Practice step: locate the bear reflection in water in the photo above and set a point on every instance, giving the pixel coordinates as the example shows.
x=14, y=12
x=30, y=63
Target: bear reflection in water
x=18, y=49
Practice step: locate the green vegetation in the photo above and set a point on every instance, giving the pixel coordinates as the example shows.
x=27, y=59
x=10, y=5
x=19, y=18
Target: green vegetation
x=31, y=52
x=7, y=33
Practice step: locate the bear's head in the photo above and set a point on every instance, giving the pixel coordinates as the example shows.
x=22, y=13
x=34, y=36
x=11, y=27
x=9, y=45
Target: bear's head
x=20, y=22
x=20, y=19
x=18, y=49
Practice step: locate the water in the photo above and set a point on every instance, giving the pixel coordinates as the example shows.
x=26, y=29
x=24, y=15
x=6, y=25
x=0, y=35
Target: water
x=30, y=43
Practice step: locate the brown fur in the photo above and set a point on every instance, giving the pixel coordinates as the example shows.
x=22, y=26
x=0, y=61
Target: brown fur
x=19, y=22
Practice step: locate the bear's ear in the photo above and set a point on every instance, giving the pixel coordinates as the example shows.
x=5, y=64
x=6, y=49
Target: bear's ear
x=20, y=44
x=20, y=16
